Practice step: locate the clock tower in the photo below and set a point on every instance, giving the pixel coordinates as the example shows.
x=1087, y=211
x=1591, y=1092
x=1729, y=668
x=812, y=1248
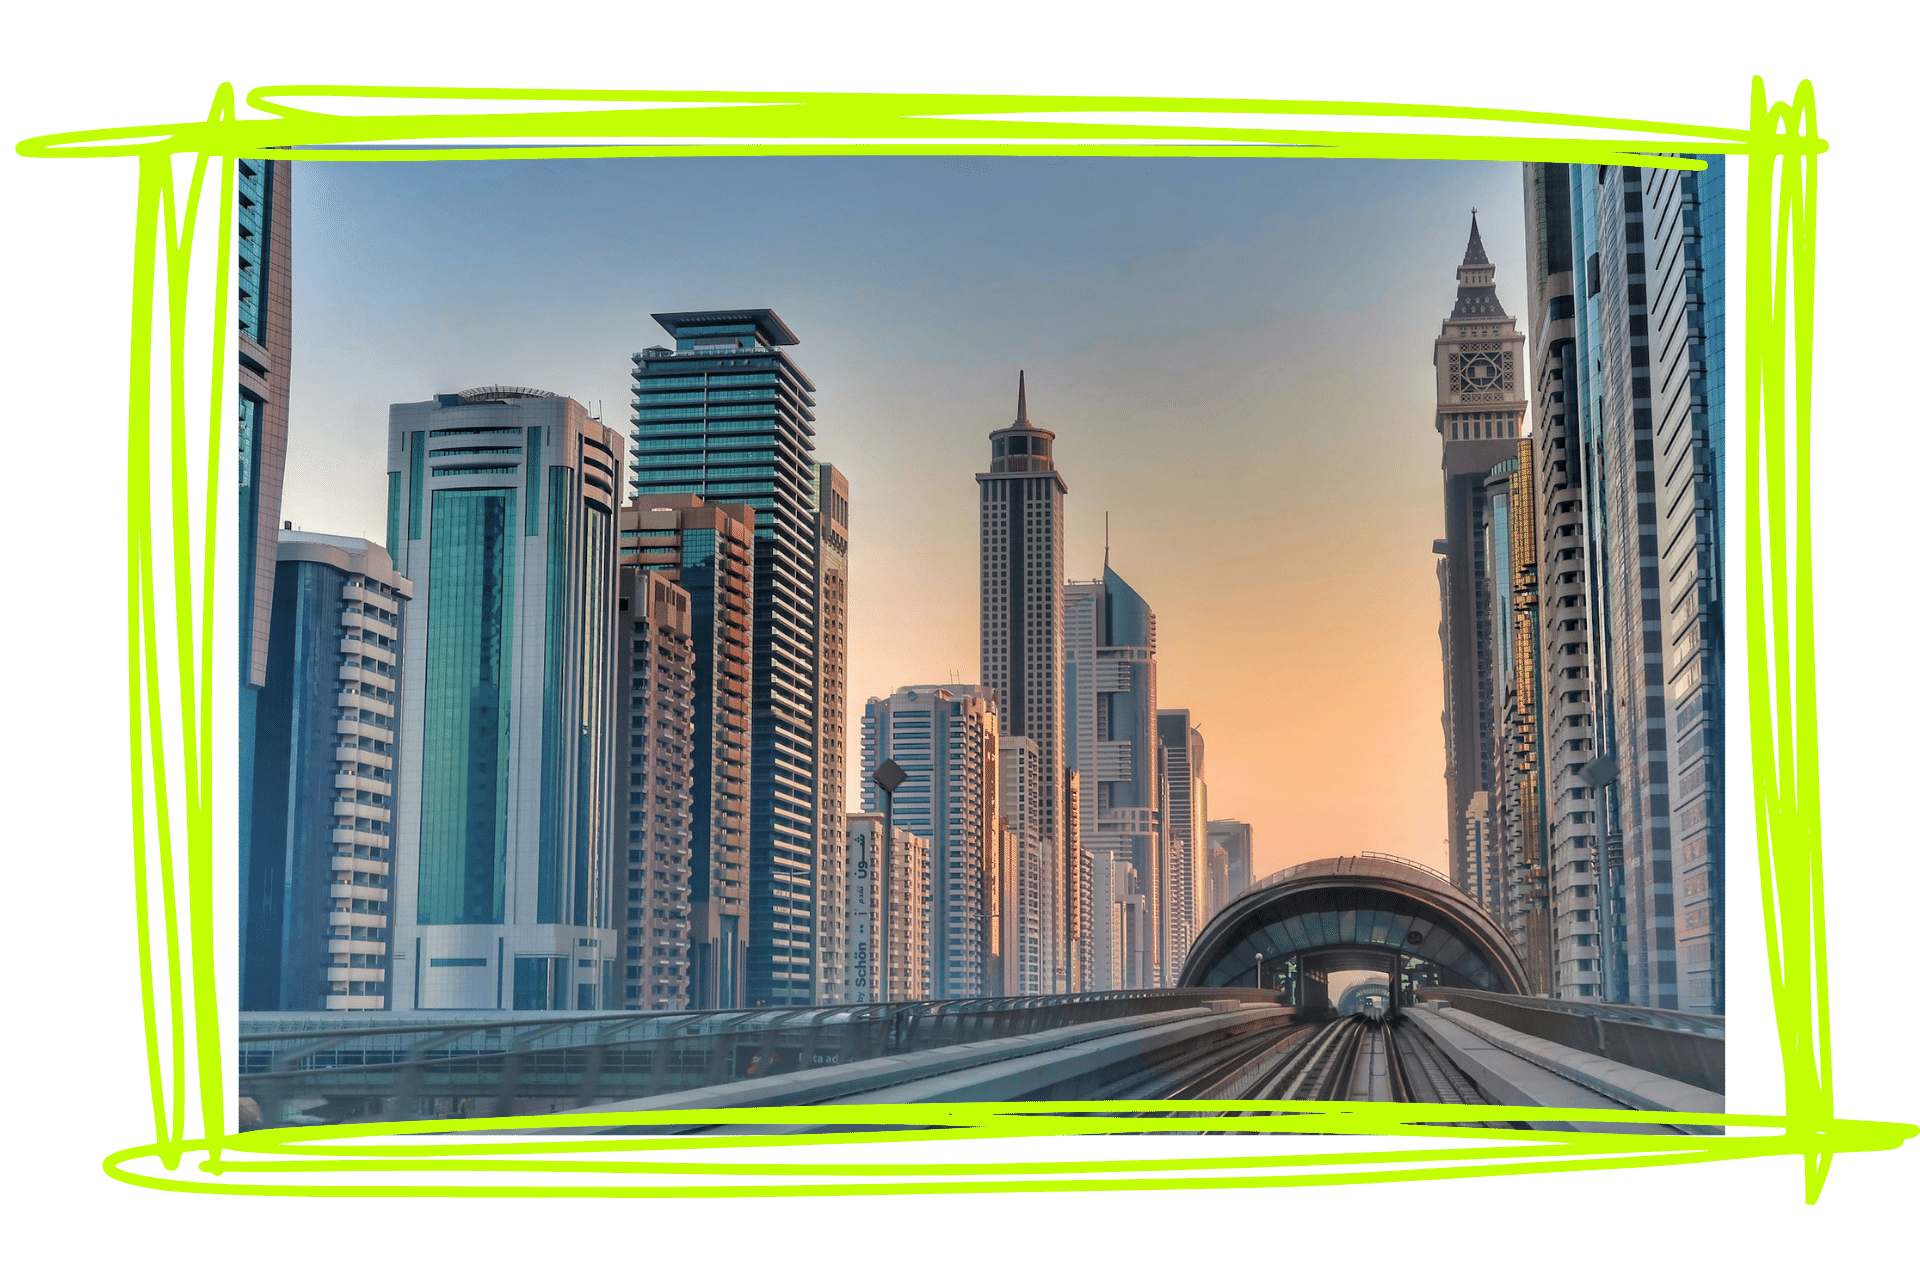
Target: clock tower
x=1480, y=410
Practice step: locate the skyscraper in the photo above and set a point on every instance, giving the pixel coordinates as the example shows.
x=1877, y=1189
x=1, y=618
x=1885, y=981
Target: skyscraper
x=1184, y=831
x=263, y=228
x=830, y=671
x=707, y=549
x=1516, y=809
x=889, y=913
x=1026, y=927
x=947, y=738
x=1235, y=839
x=1480, y=408
x=502, y=509
x=656, y=692
x=728, y=415
x=1112, y=738
x=1022, y=576
x=1572, y=847
x=1649, y=287
x=316, y=875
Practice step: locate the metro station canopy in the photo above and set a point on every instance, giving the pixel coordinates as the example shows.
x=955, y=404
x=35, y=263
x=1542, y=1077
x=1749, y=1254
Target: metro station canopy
x=1347, y=913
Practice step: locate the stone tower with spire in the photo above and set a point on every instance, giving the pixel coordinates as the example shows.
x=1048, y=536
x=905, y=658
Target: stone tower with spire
x=1479, y=412
x=1022, y=573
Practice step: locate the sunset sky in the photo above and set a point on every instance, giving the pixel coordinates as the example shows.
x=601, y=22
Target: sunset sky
x=1235, y=356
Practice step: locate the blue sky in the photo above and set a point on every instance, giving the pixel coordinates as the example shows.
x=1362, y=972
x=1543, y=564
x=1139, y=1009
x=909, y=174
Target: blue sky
x=1234, y=354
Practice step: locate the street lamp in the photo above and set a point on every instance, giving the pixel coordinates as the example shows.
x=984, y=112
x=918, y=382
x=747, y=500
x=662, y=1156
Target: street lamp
x=888, y=778
x=1259, y=960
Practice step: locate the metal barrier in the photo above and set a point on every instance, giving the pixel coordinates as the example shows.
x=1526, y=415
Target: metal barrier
x=308, y=1070
x=1690, y=1047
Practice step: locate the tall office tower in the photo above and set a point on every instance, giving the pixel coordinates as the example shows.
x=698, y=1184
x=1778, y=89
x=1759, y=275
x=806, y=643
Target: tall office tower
x=1480, y=406
x=889, y=913
x=947, y=738
x=1236, y=839
x=728, y=415
x=1110, y=682
x=830, y=669
x=1027, y=941
x=1022, y=574
x=501, y=507
x=655, y=699
x=1121, y=936
x=1649, y=284
x=707, y=548
x=1572, y=836
x=1217, y=894
x=264, y=277
x=1184, y=826
x=1515, y=804
x=316, y=874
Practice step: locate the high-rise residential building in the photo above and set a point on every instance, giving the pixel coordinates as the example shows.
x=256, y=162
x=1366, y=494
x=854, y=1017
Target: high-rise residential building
x=1572, y=838
x=1480, y=409
x=263, y=228
x=1649, y=277
x=1184, y=832
x=1235, y=839
x=1516, y=805
x=727, y=414
x=1217, y=895
x=1110, y=681
x=889, y=913
x=1026, y=924
x=502, y=514
x=830, y=669
x=1022, y=576
x=316, y=874
x=947, y=739
x=655, y=690
x=707, y=549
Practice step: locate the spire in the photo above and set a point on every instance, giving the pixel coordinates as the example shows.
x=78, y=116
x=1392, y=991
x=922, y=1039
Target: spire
x=1020, y=418
x=1476, y=253
x=1106, y=556
x=1476, y=299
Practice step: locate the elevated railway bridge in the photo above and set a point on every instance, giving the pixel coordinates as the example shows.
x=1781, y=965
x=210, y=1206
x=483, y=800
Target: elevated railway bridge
x=1252, y=1020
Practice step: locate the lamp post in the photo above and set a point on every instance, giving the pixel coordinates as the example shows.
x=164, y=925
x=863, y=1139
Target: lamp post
x=888, y=778
x=1259, y=961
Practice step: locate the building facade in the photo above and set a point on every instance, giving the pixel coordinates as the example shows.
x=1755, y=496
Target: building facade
x=889, y=913
x=1575, y=858
x=1027, y=940
x=1649, y=324
x=316, y=871
x=830, y=784
x=263, y=229
x=1480, y=409
x=1234, y=840
x=655, y=686
x=1516, y=803
x=727, y=414
x=1112, y=739
x=1183, y=753
x=502, y=511
x=706, y=549
x=1022, y=577
x=947, y=738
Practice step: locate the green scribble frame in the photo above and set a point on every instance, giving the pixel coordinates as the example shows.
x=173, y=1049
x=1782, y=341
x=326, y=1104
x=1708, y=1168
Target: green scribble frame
x=173, y=524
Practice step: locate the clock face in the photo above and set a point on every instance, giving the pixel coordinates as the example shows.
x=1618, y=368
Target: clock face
x=1481, y=373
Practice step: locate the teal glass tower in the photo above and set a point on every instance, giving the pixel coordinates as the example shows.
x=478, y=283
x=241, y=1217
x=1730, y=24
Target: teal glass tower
x=503, y=515
x=726, y=414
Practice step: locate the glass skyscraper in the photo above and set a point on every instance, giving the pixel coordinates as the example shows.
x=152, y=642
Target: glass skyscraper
x=502, y=512
x=316, y=874
x=727, y=415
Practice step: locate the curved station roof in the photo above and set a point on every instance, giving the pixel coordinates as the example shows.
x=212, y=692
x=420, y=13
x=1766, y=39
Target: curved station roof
x=1338, y=907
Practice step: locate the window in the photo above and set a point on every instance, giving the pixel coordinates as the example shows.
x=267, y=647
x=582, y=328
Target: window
x=457, y=962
